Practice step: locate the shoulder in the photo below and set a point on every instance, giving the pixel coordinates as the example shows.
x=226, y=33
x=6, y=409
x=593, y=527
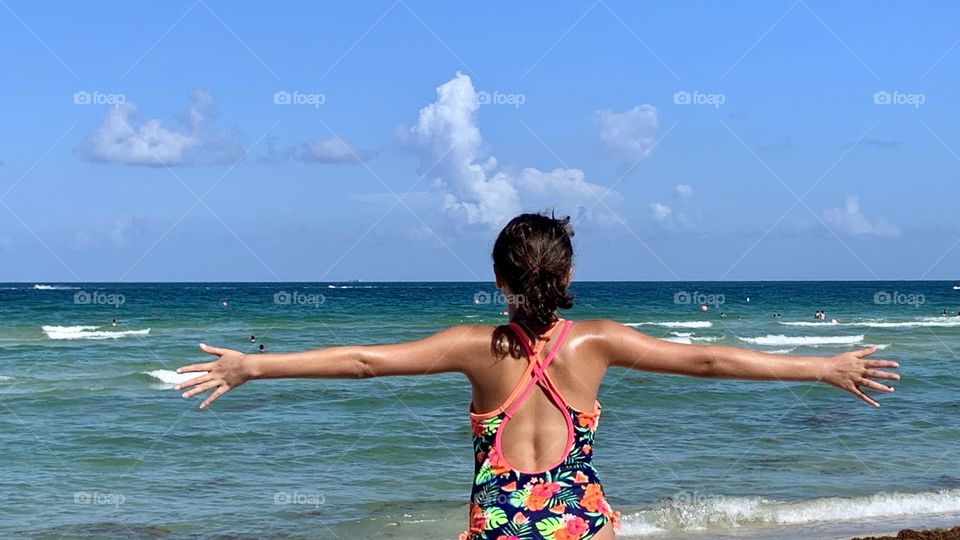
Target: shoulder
x=598, y=331
x=604, y=337
x=466, y=339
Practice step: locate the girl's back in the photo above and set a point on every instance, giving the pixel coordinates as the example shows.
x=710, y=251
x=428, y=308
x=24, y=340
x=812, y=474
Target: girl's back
x=537, y=431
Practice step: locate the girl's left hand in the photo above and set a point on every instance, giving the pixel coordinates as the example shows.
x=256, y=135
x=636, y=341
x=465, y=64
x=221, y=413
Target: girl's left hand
x=853, y=370
x=229, y=371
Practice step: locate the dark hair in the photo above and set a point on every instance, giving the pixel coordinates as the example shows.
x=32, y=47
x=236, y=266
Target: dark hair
x=533, y=255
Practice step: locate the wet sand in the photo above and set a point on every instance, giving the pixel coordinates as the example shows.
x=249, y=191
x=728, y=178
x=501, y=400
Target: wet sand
x=910, y=534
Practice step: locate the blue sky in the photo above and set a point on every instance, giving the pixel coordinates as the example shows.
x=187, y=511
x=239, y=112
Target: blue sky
x=690, y=140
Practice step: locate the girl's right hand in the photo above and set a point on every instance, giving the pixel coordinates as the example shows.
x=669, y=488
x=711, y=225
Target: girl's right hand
x=229, y=371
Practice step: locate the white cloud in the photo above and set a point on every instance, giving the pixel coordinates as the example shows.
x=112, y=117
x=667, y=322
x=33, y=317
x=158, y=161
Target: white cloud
x=849, y=220
x=333, y=150
x=126, y=230
x=121, y=233
x=629, y=134
x=682, y=214
x=659, y=211
x=452, y=153
x=190, y=140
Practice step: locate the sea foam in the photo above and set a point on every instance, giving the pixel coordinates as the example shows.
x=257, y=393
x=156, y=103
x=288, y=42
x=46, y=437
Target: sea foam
x=674, y=324
x=89, y=332
x=168, y=376
x=712, y=512
x=923, y=322
x=812, y=341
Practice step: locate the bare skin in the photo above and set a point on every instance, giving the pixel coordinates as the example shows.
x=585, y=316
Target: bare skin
x=535, y=437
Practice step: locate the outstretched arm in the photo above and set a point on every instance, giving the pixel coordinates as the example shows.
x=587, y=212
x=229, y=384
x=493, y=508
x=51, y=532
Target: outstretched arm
x=625, y=347
x=443, y=352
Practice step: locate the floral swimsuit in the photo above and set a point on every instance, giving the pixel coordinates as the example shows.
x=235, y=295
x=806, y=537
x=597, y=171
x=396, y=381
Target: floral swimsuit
x=563, y=502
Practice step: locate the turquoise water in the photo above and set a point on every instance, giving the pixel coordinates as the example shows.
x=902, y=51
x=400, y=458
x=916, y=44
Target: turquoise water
x=95, y=443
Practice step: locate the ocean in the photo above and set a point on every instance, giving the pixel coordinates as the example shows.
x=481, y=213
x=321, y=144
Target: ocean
x=94, y=442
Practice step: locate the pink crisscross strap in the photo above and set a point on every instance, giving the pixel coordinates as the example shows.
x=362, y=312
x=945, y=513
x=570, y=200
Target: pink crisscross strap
x=542, y=378
x=540, y=365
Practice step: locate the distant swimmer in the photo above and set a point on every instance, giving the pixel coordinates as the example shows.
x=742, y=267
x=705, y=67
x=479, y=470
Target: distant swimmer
x=834, y=321
x=253, y=339
x=944, y=313
x=739, y=317
x=704, y=308
x=723, y=315
x=262, y=348
x=777, y=316
x=113, y=322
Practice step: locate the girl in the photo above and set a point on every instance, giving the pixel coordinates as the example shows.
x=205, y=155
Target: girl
x=535, y=381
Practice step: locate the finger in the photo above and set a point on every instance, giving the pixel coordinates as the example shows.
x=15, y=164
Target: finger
x=207, y=366
x=876, y=386
x=192, y=382
x=877, y=374
x=213, y=397
x=856, y=391
x=863, y=353
x=201, y=388
x=881, y=363
x=212, y=350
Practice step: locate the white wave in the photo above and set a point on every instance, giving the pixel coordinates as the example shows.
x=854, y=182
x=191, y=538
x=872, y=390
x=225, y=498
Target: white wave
x=681, y=334
x=707, y=338
x=4, y=378
x=351, y=286
x=89, y=332
x=781, y=351
x=923, y=322
x=780, y=339
x=674, y=324
x=710, y=512
x=42, y=287
x=683, y=340
x=170, y=377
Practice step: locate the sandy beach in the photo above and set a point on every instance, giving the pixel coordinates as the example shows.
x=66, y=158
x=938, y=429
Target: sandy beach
x=910, y=534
